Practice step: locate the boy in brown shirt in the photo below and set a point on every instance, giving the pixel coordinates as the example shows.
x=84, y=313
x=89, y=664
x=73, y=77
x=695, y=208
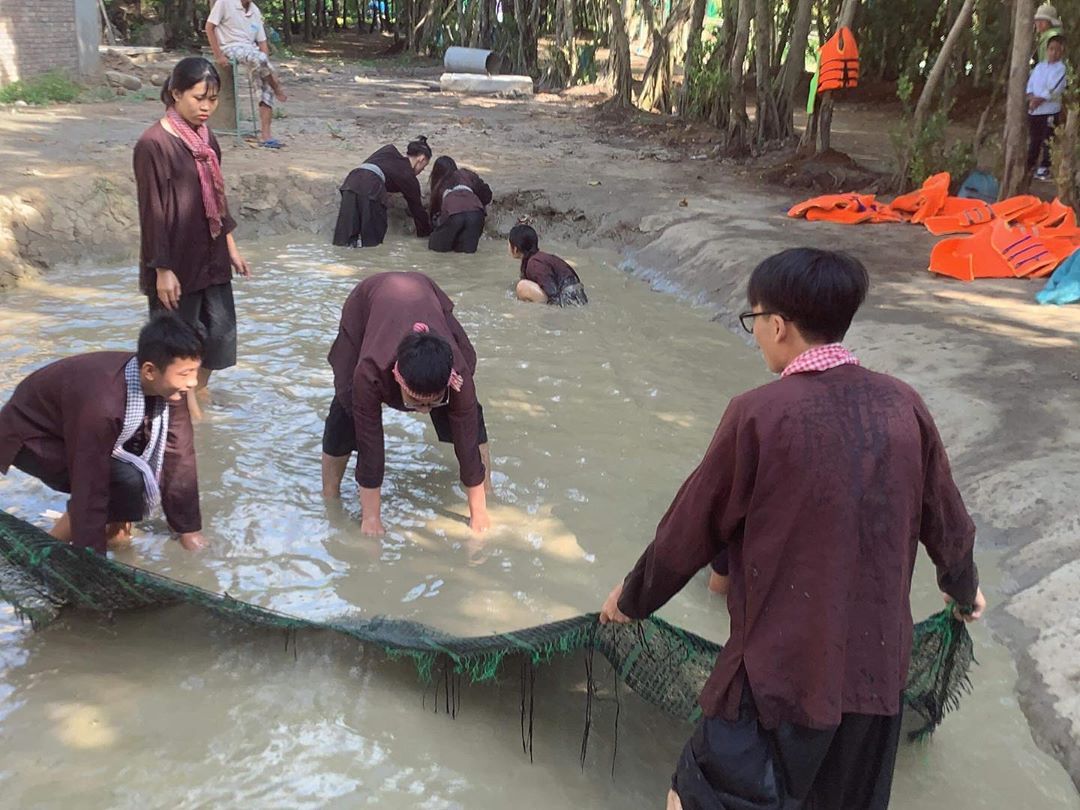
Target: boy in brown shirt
x=819, y=486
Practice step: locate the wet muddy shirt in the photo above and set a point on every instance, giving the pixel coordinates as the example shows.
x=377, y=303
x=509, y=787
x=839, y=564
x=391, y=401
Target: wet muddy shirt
x=175, y=234
x=380, y=311
x=449, y=199
x=400, y=178
x=820, y=485
x=549, y=272
x=69, y=415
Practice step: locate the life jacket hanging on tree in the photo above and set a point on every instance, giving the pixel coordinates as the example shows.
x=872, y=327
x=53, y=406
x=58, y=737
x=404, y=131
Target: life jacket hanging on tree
x=838, y=66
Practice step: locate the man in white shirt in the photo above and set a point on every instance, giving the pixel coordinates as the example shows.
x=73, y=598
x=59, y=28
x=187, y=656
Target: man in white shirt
x=1044, y=89
x=235, y=30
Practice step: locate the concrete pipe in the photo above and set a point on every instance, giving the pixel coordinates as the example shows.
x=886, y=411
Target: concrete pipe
x=472, y=60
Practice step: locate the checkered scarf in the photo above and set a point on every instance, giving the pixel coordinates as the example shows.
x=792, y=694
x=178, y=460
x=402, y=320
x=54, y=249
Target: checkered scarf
x=820, y=358
x=153, y=456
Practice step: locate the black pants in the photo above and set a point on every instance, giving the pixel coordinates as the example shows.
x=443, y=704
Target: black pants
x=212, y=313
x=458, y=233
x=339, y=432
x=1040, y=127
x=127, y=501
x=362, y=220
x=742, y=766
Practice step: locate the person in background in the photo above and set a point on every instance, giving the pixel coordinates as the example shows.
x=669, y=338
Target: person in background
x=187, y=252
x=112, y=429
x=544, y=277
x=458, y=207
x=363, y=218
x=1047, y=26
x=235, y=31
x=1044, y=90
x=400, y=345
x=820, y=486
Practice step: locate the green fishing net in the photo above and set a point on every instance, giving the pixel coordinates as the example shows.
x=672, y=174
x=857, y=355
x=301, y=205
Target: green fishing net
x=665, y=665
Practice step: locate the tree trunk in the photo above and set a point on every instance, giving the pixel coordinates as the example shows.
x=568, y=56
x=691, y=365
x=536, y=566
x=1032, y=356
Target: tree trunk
x=937, y=72
x=656, y=85
x=694, y=47
x=767, y=122
x=738, y=121
x=821, y=121
x=794, y=68
x=619, y=77
x=1066, y=153
x=307, y=20
x=286, y=21
x=1016, y=177
x=336, y=12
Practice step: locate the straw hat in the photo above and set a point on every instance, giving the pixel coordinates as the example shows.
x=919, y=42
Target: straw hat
x=1048, y=12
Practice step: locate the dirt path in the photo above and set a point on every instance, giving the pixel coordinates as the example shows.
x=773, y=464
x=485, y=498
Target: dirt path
x=1001, y=374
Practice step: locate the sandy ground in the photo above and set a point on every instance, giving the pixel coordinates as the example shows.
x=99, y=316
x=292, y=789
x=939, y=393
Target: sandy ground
x=1001, y=374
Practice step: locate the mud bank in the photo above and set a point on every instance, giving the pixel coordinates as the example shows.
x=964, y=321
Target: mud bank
x=1001, y=374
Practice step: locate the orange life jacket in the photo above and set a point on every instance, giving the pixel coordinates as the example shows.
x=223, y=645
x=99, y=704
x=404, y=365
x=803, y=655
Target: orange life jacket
x=838, y=62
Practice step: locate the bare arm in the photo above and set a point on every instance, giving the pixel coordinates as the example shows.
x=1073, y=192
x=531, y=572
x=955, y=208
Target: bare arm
x=215, y=46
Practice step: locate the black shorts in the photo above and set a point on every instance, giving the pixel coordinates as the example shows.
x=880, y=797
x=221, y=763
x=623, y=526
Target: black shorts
x=742, y=764
x=362, y=220
x=458, y=233
x=339, y=432
x=212, y=309
x=127, y=499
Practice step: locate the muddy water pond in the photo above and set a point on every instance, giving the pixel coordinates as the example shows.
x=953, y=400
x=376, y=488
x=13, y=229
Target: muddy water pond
x=595, y=416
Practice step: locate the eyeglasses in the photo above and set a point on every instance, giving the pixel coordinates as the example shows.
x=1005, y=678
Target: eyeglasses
x=417, y=405
x=747, y=319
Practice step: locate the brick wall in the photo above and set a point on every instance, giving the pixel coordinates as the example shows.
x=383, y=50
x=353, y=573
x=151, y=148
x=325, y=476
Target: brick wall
x=36, y=36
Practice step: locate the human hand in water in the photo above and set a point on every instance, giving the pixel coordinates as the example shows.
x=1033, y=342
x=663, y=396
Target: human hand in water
x=610, y=611
x=977, y=608
x=371, y=526
x=192, y=541
x=168, y=288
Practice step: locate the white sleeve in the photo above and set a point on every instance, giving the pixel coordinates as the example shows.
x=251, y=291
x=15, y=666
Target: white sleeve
x=217, y=13
x=1031, y=84
x=260, y=35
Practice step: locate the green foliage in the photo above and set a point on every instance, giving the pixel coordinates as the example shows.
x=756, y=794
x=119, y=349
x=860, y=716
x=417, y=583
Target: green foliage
x=53, y=87
x=925, y=153
x=707, y=80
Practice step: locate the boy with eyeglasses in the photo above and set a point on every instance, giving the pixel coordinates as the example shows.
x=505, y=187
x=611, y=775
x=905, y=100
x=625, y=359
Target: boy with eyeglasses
x=819, y=486
x=400, y=345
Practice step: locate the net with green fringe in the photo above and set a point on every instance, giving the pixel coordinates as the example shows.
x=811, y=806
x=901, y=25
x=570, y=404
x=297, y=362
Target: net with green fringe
x=662, y=663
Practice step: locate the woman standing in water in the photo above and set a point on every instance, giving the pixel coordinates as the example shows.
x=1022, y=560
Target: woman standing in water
x=362, y=218
x=458, y=207
x=187, y=253
x=545, y=278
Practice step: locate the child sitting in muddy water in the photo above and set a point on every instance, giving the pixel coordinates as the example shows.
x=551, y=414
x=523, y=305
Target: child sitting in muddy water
x=545, y=278
x=819, y=485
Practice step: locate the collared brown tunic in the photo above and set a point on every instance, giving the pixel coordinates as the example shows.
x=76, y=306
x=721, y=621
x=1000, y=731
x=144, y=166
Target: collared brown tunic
x=821, y=486
x=549, y=272
x=378, y=313
x=172, y=220
x=69, y=414
x=400, y=178
x=458, y=202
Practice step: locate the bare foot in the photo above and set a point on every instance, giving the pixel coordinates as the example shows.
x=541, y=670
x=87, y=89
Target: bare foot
x=61, y=530
x=192, y=541
x=118, y=536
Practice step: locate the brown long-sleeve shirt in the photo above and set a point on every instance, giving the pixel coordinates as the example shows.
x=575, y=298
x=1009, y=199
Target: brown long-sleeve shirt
x=175, y=234
x=400, y=178
x=821, y=486
x=69, y=415
x=378, y=313
x=476, y=198
x=548, y=271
